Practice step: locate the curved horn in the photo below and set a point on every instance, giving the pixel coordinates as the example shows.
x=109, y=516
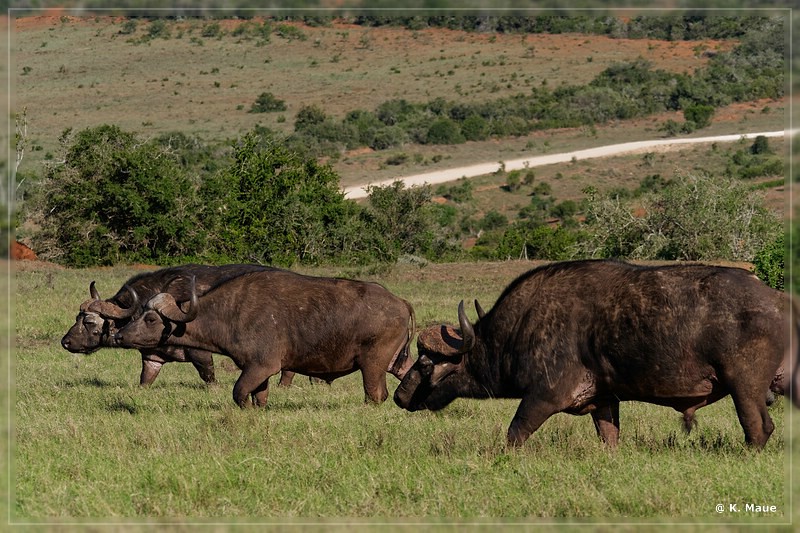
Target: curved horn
x=467, y=333
x=93, y=291
x=112, y=310
x=479, y=309
x=167, y=307
x=95, y=297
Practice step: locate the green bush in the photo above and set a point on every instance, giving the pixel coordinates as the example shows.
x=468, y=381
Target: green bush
x=267, y=103
x=770, y=262
x=309, y=115
x=535, y=241
x=699, y=114
x=444, y=131
x=115, y=199
x=475, y=128
x=694, y=218
x=278, y=207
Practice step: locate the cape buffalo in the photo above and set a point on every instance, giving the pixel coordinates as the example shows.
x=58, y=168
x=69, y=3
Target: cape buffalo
x=98, y=320
x=268, y=321
x=581, y=336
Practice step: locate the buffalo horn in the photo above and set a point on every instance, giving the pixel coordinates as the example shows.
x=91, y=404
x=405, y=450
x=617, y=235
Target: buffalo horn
x=94, y=298
x=479, y=309
x=167, y=307
x=467, y=333
x=112, y=310
x=93, y=291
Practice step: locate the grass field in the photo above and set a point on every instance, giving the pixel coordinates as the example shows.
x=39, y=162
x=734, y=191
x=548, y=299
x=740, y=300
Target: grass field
x=89, y=445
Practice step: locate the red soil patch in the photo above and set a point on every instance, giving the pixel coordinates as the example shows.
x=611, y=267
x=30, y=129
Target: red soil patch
x=20, y=252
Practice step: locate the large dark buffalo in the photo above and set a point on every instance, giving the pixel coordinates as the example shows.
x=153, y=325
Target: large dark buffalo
x=98, y=320
x=579, y=337
x=268, y=321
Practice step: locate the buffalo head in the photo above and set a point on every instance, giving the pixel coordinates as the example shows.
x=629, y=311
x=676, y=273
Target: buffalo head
x=439, y=375
x=96, y=322
x=161, y=317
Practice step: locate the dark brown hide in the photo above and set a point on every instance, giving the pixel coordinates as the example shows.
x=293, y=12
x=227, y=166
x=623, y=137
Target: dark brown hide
x=98, y=320
x=579, y=337
x=268, y=321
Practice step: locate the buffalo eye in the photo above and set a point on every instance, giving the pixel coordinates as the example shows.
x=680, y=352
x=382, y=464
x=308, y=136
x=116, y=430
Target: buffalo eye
x=426, y=365
x=150, y=319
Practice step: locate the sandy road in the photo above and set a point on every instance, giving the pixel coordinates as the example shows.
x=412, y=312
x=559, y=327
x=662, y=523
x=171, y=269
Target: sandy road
x=480, y=169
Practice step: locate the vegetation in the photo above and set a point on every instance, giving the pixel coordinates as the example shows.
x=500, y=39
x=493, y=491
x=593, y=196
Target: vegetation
x=753, y=69
x=118, y=199
x=267, y=103
x=115, y=199
x=694, y=218
x=268, y=198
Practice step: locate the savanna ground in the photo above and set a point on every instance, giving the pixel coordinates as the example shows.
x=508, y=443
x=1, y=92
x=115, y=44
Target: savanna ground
x=88, y=445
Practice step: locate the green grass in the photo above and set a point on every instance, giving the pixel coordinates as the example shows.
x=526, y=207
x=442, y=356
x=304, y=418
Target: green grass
x=90, y=445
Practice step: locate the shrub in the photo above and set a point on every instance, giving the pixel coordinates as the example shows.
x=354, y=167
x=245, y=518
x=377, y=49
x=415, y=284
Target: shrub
x=770, y=262
x=699, y=114
x=158, y=28
x=694, y=218
x=278, y=206
x=493, y=220
x=460, y=193
x=760, y=146
x=403, y=217
x=387, y=137
x=475, y=128
x=513, y=180
x=444, y=131
x=267, y=103
x=128, y=27
x=309, y=115
x=115, y=199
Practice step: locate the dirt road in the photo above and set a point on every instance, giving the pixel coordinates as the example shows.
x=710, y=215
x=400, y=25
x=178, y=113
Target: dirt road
x=451, y=174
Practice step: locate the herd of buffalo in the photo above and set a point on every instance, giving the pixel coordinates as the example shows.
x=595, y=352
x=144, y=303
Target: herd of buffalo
x=576, y=337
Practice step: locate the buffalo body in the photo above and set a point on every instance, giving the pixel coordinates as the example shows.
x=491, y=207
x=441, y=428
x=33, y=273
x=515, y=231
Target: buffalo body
x=268, y=321
x=98, y=320
x=581, y=336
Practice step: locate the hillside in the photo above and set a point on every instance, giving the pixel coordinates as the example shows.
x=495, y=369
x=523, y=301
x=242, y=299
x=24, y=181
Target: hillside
x=200, y=77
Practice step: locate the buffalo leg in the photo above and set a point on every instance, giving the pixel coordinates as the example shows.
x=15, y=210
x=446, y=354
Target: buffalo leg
x=754, y=418
x=150, y=370
x=606, y=422
x=254, y=380
x=531, y=414
x=203, y=361
x=375, y=390
x=260, y=394
x=286, y=378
